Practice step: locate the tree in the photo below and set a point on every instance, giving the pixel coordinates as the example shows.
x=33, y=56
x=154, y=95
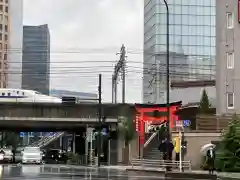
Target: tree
x=228, y=152
x=127, y=129
x=204, y=103
x=11, y=139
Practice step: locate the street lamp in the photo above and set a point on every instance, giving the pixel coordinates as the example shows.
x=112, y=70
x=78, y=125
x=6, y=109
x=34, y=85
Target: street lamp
x=167, y=73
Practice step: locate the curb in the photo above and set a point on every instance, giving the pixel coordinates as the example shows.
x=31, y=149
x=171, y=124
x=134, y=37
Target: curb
x=175, y=175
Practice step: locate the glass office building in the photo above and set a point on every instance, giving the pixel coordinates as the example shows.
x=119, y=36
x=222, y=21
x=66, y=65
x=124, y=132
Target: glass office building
x=192, y=44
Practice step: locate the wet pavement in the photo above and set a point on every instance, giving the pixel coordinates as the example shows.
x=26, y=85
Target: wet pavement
x=58, y=172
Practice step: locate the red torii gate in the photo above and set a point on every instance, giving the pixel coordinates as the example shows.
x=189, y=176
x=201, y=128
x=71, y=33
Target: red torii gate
x=142, y=116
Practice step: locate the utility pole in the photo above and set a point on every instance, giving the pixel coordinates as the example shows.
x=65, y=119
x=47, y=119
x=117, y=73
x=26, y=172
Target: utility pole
x=119, y=67
x=167, y=74
x=99, y=117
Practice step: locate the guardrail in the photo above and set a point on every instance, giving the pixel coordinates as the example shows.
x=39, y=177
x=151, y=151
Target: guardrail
x=160, y=164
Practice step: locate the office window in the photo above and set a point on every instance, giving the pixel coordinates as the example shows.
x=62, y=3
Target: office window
x=230, y=60
x=230, y=22
x=230, y=100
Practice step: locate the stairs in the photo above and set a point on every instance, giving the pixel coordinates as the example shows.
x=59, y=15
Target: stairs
x=153, y=153
x=44, y=141
x=150, y=150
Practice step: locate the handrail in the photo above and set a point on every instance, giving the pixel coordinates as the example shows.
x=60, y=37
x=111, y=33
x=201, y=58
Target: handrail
x=154, y=163
x=49, y=140
x=150, y=139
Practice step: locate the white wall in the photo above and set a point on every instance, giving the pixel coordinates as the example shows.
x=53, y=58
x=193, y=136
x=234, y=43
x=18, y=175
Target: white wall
x=15, y=43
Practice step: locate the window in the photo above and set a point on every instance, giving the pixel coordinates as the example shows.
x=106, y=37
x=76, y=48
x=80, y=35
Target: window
x=230, y=60
x=230, y=22
x=6, y=9
x=5, y=37
x=230, y=100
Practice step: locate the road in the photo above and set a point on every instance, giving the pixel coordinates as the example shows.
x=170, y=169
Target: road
x=57, y=172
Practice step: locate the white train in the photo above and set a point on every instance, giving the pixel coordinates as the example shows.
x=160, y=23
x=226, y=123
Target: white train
x=21, y=95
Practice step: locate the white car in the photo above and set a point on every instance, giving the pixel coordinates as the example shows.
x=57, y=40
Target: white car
x=31, y=155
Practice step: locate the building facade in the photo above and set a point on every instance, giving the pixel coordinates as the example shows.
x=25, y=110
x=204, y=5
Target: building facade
x=228, y=42
x=36, y=58
x=192, y=44
x=11, y=34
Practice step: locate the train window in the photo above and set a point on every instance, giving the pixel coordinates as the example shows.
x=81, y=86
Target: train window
x=9, y=94
x=17, y=92
x=23, y=93
x=3, y=94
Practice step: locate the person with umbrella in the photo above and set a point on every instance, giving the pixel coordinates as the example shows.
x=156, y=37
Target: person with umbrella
x=209, y=151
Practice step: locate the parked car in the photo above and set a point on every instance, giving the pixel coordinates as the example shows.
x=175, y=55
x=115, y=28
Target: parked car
x=32, y=155
x=55, y=155
x=6, y=155
x=18, y=154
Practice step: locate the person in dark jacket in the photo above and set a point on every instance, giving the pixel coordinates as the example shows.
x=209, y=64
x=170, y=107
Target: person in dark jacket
x=210, y=160
x=166, y=148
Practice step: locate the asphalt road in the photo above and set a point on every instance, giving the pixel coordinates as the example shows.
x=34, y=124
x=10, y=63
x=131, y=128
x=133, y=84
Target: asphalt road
x=58, y=172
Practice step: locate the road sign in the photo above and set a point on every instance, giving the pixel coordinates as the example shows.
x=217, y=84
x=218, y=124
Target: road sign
x=22, y=134
x=51, y=134
x=30, y=134
x=186, y=123
x=179, y=124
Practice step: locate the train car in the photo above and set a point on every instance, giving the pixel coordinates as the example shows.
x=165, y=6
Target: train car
x=21, y=95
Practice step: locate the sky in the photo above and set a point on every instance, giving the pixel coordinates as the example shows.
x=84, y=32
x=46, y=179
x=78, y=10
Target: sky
x=86, y=36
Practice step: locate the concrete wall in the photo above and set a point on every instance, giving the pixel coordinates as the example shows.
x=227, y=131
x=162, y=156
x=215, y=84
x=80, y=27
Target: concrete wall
x=15, y=44
x=195, y=142
x=227, y=40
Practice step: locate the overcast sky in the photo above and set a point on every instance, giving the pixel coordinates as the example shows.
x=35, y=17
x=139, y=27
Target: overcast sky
x=88, y=33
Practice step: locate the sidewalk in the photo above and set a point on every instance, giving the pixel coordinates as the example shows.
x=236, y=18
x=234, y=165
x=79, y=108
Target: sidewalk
x=161, y=170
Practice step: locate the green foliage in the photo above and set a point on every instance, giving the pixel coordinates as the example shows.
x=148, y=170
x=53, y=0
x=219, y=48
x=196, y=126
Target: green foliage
x=74, y=159
x=204, y=103
x=228, y=153
x=11, y=139
x=128, y=129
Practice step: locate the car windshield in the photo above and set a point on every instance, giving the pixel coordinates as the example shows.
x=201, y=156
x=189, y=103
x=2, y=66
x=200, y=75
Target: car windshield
x=31, y=150
x=7, y=150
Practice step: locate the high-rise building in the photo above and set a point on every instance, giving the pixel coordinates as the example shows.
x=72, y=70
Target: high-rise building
x=36, y=58
x=228, y=54
x=192, y=44
x=11, y=32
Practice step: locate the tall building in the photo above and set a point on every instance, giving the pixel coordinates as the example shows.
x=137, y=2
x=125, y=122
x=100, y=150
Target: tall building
x=36, y=58
x=11, y=33
x=192, y=44
x=228, y=54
